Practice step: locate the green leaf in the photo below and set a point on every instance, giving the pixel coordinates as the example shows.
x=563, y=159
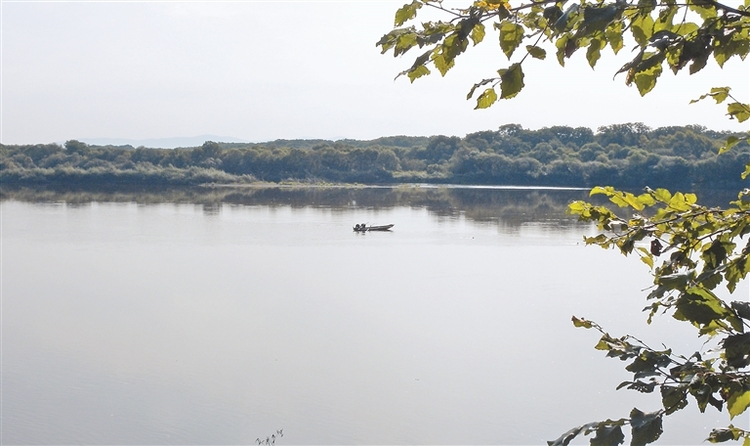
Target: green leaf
x=567, y=437
x=738, y=111
x=663, y=195
x=417, y=72
x=737, y=350
x=705, y=10
x=440, y=62
x=407, y=12
x=645, y=80
x=613, y=35
x=673, y=398
x=642, y=29
x=648, y=260
x=728, y=144
x=742, y=309
x=594, y=51
x=699, y=306
x=581, y=323
x=536, y=52
x=477, y=33
x=486, y=99
x=511, y=81
x=719, y=94
x=746, y=172
x=722, y=435
x=477, y=85
x=511, y=36
x=646, y=427
x=562, y=44
x=608, y=436
x=738, y=402
x=678, y=202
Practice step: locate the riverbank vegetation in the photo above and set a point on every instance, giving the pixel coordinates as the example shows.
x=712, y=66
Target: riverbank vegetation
x=622, y=155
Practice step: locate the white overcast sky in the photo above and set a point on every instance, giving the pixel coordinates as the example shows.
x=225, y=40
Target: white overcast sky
x=259, y=71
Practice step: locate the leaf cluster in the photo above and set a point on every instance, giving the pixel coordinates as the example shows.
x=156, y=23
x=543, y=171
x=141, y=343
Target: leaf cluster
x=666, y=33
x=691, y=250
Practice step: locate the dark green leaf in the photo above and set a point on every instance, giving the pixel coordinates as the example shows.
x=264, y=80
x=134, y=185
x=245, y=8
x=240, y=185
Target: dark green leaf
x=567, y=437
x=565, y=20
x=597, y=18
x=646, y=427
x=673, y=398
x=511, y=81
x=608, y=436
x=742, y=309
x=737, y=350
x=536, y=52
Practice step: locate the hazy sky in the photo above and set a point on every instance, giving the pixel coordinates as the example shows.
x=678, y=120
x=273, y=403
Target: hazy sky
x=308, y=69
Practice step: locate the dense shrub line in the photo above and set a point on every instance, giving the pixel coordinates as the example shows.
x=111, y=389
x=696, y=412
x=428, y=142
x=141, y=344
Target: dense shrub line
x=620, y=155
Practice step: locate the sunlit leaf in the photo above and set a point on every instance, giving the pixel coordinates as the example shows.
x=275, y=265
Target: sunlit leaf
x=645, y=80
x=486, y=99
x=417, y=72
x=613, y=35
x=594, y=52
x=642, y=29
x=746, y=172
x=581, y=323
x=738, y=111
x=738, y=403
x=477, y=33
x=728, y=144
x=511, y=36
x=407, y=12
x=477, y=85
x=663, y=195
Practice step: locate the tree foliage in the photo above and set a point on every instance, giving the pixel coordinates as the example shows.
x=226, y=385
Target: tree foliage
x=666, y=33
x=692, y=250
x=624, y=155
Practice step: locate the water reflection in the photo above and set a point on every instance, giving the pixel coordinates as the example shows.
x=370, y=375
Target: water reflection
x=507, y=207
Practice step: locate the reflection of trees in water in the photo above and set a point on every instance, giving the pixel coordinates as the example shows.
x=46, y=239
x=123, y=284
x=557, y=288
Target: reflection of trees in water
x=506, y=207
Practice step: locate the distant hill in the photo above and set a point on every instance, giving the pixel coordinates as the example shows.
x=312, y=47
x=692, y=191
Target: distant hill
x=162, y=143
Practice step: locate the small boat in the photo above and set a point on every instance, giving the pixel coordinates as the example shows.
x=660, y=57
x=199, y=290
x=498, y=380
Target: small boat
x=364, y=228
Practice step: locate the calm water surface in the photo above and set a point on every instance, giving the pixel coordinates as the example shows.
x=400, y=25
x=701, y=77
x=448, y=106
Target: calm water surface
x=127, y=322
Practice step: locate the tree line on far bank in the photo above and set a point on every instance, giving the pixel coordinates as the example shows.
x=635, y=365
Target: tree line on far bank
x=621, y=155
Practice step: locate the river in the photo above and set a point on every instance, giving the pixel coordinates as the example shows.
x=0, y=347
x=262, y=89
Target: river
x=222, y=316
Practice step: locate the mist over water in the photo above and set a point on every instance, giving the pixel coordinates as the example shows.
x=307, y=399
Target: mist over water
x=220, y=316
